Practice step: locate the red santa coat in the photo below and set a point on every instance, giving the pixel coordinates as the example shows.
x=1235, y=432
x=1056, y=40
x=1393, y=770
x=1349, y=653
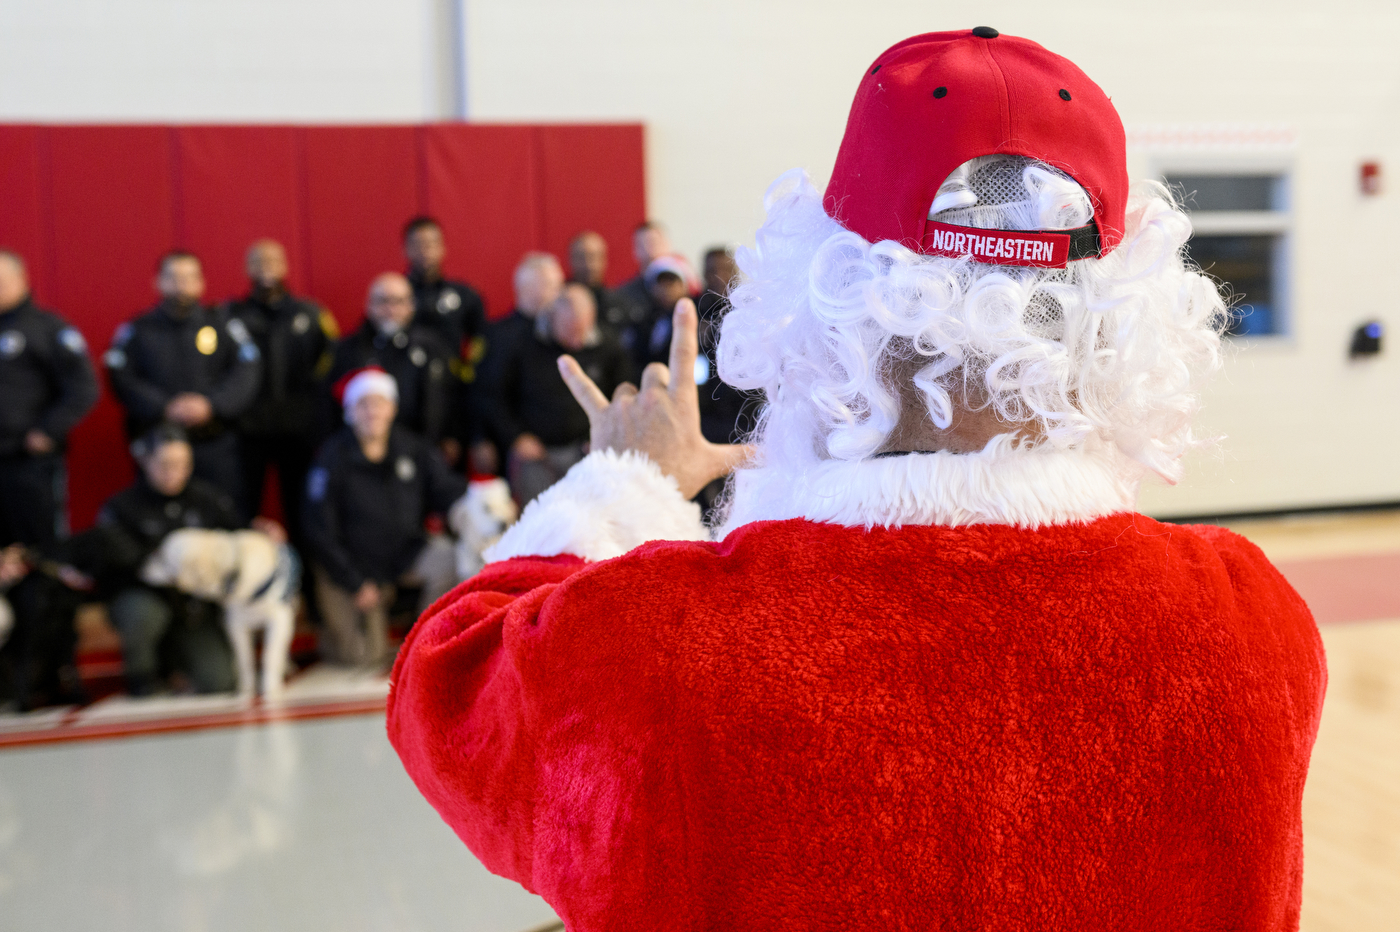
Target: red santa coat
x=1082, y=726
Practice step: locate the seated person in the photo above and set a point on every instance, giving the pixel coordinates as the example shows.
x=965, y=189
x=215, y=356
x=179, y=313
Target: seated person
x=537, y=280
x=162, y=630
x=532, y=409
x=367, y=495
x=45, y=586
x=588, y=265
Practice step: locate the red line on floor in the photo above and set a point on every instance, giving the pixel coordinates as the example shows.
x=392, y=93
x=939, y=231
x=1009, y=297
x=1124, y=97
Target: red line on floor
x=255, y=715
x=1355, y=588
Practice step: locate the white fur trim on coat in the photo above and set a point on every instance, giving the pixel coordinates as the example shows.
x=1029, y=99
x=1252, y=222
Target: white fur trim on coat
x=1003, y=484
x=608, y=504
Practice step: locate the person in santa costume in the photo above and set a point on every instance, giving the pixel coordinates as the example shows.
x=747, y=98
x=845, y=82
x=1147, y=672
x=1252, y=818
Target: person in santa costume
x=931, y=671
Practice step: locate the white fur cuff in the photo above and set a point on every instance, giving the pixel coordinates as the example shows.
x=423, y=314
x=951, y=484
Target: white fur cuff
x=608, y=504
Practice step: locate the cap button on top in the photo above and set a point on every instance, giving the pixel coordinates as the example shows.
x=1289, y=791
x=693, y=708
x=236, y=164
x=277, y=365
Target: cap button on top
x=985, y=32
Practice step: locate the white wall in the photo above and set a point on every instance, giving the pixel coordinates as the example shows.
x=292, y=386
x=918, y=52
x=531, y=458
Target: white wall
x=736, y=91
x=227, y=60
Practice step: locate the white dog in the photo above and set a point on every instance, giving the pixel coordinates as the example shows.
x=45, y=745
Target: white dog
x=253, y=577
x=479, y=518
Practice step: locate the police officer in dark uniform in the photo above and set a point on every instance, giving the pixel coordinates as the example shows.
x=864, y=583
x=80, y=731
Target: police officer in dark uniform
x=456, y=311
x=588, y=266
x=47, y=385
x=368, y=492
x=296, y=338
x=415, y=356
x=191, y=365
x=163, y=630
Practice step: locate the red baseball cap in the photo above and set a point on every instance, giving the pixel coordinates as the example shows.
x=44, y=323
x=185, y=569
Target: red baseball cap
x=935, y=101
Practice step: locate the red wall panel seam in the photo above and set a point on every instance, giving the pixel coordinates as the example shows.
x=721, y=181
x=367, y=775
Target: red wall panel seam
x=177, y=190
x=48, y=233
x=303, y=189
x=537, y=190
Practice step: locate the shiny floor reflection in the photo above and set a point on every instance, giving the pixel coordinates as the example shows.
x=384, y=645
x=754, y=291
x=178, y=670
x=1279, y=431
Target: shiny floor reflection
x=283, y=826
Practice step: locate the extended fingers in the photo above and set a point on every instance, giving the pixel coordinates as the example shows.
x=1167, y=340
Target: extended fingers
x=655, y=376
x=685, y=345
x=587, y=394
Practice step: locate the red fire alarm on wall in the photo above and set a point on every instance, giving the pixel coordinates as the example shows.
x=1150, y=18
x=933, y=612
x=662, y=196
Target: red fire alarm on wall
x=1370, y=178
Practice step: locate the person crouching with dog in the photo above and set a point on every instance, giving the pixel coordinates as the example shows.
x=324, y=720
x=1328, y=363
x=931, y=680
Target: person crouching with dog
x=370, y=489
x=164, y=631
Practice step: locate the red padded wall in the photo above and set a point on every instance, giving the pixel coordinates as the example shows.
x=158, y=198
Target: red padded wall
x=360, y=188
x=570, y=158
x=234, y=185
x=91, y=208
x=482, y=185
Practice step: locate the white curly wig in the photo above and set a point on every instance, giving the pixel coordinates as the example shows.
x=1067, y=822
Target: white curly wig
x=1106, y=351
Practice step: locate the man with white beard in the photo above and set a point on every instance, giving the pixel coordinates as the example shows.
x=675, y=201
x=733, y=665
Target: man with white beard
x=931, y=670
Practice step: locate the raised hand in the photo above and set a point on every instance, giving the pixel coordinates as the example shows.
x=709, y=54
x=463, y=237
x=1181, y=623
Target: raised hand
x=662, y=418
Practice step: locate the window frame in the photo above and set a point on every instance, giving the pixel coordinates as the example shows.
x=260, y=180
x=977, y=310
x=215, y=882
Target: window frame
x=1278, y=222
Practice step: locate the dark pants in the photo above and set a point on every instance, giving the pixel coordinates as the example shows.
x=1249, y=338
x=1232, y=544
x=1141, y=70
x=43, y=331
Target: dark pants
x=218, y=461
x=36, y=664
x=164, y=630
x=290, y=455
x=33, y=499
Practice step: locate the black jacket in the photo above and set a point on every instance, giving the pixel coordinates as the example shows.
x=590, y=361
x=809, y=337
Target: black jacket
x=163, y=353
x=527, y=394
x=455, y=311
x=46, y=378
x=363, y=520
x=726, y=413
x=617, y=311
x=502, y=339
x=418, y=360
x=138, y=518
x=295, y=337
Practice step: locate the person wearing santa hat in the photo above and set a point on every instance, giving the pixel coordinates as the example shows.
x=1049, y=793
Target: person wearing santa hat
x=930, y=670
x=367, y=494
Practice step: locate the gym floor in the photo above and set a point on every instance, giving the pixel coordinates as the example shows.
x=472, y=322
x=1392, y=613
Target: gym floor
x=205, y=814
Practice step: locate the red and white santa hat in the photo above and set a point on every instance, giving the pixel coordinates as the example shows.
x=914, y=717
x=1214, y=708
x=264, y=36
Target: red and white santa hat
x=936, y=101
x=371, y=380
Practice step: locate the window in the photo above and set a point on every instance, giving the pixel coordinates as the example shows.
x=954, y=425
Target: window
x=1241, y=225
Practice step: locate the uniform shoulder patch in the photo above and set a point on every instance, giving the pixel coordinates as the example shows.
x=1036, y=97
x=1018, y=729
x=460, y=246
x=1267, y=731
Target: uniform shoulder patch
x=316, y=482
x=70, y=339
x=238, y=330
x=12, y=343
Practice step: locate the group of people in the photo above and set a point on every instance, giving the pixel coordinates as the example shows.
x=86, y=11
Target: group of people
x=370, y=434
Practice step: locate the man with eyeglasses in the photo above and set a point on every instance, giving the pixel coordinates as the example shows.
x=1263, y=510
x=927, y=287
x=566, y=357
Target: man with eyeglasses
x=415, y=356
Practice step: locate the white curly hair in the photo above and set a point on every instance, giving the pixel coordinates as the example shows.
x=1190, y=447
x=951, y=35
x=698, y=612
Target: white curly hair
x=1108, y=349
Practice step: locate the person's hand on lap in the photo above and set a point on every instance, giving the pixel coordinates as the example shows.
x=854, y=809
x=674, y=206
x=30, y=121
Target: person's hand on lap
x=367, y=597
